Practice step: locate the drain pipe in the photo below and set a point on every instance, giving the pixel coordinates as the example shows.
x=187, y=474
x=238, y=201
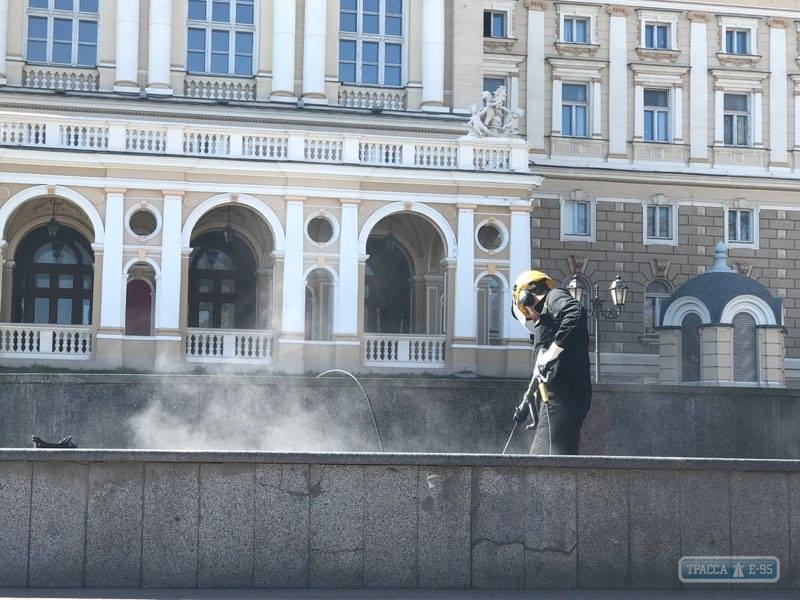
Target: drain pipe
x=371, y=411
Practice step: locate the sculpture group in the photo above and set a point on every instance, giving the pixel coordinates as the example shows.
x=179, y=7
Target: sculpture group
x=494, y=118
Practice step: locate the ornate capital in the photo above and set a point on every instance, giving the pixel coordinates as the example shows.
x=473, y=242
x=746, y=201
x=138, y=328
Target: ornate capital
x=536, y=4
x=618, y=11
x=697, y=16
x=778, y=22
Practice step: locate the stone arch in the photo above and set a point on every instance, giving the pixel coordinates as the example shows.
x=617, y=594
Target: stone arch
x=434, y=216
x=683, y=306
x=752, y=305
x=66, y=193
x=242, y=199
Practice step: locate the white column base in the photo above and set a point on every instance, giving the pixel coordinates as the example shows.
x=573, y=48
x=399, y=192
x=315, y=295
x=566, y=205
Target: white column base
x=435, y=108
x=126, y=88
x=159, y=91
x=286, y=99
x=313, y=100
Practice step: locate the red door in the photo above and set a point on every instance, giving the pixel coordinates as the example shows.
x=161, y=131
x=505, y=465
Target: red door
x=138, y=308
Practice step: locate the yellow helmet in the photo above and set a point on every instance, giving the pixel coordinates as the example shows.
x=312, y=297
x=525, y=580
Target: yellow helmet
x=536, y=279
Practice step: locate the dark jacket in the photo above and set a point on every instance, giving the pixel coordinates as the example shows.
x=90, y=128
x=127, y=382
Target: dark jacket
x=564, y=321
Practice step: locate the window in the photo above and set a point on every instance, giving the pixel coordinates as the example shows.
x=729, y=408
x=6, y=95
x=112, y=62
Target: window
x=494, y=24
x=745, y=351
x=737, y=41
x=574, y=110
x=577, y=217
x=490, y=311
x=659, y=222
x=655, y=294
x=656, y=115
x=691, y=368
x=490, y=84
x=371, y=42
x=657, y=36
x=62, y=32
x=220, y=37
x=736, y=120
x=575, y=30
x=740, y=226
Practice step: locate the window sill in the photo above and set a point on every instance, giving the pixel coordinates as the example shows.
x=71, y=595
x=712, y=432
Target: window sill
x=658, y=54
x=576, y=49
x=497, y=43
x=738, y=60
x=648, y=338
x=660, y=242
x=660, y=151
x=747, y=156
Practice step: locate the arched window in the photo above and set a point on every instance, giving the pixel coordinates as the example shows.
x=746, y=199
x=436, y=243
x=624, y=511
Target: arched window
x=490, y=312
x=53, y=278
x=691, y=367
x=745, y=348
x=388, y=301
x=221, y=283
x=655, y=294
x=319, y=305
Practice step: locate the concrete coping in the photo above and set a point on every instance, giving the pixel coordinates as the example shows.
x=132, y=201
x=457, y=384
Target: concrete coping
x=402, y=459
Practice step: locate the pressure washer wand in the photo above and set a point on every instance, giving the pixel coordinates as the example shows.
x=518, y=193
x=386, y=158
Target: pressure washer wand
x=525, y=404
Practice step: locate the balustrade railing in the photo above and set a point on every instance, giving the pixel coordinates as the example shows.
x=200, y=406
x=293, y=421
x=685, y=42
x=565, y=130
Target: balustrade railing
x=225, y=345
x=219, y=88
x=98, y=135
x=45, y=341
x=398, y=350
x=384, y=99
x=47, y=78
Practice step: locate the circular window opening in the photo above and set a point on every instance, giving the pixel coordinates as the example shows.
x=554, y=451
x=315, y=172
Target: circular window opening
x=143, y=222
x=490, y=237
x=320, y=230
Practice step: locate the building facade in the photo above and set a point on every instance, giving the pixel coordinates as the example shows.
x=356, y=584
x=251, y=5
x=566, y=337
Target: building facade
x=288, y=184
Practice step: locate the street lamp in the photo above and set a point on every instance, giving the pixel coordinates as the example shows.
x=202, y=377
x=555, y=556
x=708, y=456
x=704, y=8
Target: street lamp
x=619, y=294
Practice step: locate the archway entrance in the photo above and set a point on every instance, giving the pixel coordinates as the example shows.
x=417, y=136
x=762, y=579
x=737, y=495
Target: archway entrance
x=139, y=295
x=53, y=278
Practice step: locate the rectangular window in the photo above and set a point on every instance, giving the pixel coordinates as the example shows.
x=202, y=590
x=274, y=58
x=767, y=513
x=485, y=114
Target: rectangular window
x=220, y=37
x=656, y=36
x=736, y=120
x=577, y=217
x=41, y=310
x=494, y=24
x=64, y=316
x=737, y=41
x=740, y=228
x=656, y=115
x=371, y=42
x=576, y=30
x=574, y=110
x=490, y=84
x=62, y=32
x=659, y=222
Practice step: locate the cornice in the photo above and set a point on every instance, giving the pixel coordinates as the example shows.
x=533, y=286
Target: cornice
x=537, y=4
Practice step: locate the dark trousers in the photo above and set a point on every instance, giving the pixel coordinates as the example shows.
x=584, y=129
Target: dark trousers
x=560, y=420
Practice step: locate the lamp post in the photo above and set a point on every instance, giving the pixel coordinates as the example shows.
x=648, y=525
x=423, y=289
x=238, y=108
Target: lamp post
x=619, y=293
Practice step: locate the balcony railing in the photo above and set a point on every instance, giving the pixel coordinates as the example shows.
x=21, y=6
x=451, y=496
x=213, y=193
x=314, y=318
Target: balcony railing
x=22, y=340
x=225, y=345
x=98, y=135
x=398, y=350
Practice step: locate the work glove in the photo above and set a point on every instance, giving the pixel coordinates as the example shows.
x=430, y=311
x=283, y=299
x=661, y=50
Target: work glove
x=544, y=359
x=521, y=413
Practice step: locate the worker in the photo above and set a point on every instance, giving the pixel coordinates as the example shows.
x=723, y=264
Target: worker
x=560, y=337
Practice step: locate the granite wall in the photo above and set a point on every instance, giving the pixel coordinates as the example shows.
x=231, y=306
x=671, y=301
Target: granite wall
x=107, y=519
x=413, y=415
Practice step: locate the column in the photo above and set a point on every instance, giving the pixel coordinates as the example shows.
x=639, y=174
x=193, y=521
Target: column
x=719, y=121
x=127, y=46
x=294, y=287
x=536, y=75
x=432, y=54
x=758, y=119
x=159, y=47
x=618, y=83
x=283, y=34
x=170, y=294
x=778, y=117
x=347, y=321
x=698, y=89
x=3, y=245
x=464, y=305
x=6, y=282
x=314, y=51
x=555, y=127
x=3, y=39
x=597, y=109
x=638, y=112
x=519, y=257
x=796, y=82
x=677, y=114
x=112, y=301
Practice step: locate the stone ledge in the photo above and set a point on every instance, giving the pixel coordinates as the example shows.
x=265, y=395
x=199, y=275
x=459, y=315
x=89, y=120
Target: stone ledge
x=86, y=456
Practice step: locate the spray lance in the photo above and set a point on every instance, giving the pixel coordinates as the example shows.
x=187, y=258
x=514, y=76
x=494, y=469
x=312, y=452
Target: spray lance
x=538, y=386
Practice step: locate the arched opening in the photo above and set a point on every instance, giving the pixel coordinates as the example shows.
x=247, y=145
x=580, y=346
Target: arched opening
x=53, y=277
x=490, y=311
x=139, y=294
x=656, y=294
x=691, y=367
x=745, y=348
x=319, y=305
x=404, y=288
x=231, y=270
